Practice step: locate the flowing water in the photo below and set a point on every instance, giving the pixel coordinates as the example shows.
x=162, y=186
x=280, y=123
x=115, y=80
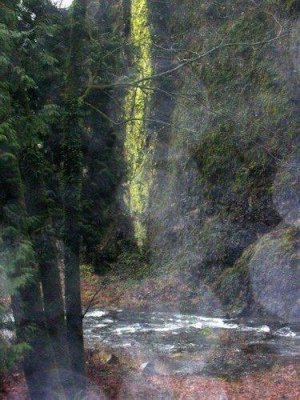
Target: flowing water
x=193, y=344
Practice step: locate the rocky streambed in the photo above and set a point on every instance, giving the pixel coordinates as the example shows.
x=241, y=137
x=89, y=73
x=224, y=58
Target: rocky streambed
x=186, y=344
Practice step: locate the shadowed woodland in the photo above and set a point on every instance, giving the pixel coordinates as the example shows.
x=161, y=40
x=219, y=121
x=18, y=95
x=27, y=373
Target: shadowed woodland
x=149, y=199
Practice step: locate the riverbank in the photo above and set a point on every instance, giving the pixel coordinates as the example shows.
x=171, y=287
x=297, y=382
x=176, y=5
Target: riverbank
x=236, y=291
x=126, y=382
x=120, y=380
x=168, y=292
x=119, y=374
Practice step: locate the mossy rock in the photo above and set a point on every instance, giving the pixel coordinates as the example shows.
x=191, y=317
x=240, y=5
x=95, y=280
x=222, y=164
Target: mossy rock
x=274, y=273
x=233, y=285
x=266, y=277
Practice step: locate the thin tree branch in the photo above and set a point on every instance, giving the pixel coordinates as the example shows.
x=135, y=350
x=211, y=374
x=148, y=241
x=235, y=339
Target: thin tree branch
x=90, y=303
x=101, y=113
x=126, y=121
x=189, y=61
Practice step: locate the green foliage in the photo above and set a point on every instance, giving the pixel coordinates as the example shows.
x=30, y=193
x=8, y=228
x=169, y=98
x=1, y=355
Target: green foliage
x=86, y=270
x=246, y=139
x=22, y=127
x=10, y=355
x=133, y=263
x=233, y=286
x=10, y=352
x=58, y=140
x=234, y=128
x=102, y=165
x=292, y=6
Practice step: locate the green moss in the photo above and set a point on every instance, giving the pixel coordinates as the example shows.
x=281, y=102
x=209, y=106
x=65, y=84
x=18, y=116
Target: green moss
x=233, y=117
x=281, y=241
x=249, y=91
x=274, y=255
x=86, y=270
x=233, y=285
x=136, y=103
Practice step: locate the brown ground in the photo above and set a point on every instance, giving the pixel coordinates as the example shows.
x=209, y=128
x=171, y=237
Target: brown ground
x=113, y=383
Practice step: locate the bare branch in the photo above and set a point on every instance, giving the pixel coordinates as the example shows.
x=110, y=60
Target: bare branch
x=187, y=62
x=105, y=116
x=91, y=302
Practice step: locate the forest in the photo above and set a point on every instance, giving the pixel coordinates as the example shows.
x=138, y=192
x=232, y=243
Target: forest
x=149, y=199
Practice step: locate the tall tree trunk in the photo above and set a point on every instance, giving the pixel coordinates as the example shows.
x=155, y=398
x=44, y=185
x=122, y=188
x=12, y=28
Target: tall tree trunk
x=72, y=249
x=38, y=364
x=26, y=298
x=46, y=253
x=127, y=17
x=72, y=195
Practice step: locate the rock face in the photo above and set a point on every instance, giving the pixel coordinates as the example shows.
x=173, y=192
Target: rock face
x=222, y=131
x=274, y=272
x=266, y=277
x=212, y=154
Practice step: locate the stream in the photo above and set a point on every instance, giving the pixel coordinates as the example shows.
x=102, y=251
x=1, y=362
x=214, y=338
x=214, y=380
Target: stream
x=174, y=343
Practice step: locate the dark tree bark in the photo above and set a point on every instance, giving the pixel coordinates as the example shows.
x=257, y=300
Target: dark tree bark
x=46, y=252
x=39, y=365
x=72, y=176
x=22, y=270
x=127, y=17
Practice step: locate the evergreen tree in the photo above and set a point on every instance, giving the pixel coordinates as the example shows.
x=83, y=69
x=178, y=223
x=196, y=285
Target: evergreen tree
x=17, y=248
x=72, y=148
x=56, y=161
